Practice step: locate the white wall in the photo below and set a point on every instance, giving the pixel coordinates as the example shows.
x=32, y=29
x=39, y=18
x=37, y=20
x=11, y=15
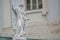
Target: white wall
x=59, y=8
x=1, y=17
x=1, y=14
x=53, y=10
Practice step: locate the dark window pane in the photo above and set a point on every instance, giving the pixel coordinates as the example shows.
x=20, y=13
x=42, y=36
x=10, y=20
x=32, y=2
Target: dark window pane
x=27, y=1
x=33, y=4
x=28, y=6
x=33, y=1
x=39, y=4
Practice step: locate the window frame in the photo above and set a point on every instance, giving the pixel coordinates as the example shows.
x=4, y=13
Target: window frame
x=31, y=5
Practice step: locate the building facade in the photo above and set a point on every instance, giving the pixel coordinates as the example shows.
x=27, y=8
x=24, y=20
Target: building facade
x=43, y=17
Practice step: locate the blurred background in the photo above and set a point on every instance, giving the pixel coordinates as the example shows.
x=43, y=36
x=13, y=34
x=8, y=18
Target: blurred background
x=43, y=15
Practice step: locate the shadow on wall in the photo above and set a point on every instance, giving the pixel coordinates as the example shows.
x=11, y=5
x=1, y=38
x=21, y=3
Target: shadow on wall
x=5, y=38
x=9, y=38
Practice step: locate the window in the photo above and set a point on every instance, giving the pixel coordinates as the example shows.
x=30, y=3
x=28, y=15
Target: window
x=33, y=4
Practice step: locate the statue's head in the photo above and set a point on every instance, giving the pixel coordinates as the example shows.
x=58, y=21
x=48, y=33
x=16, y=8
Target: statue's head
x=21, y=5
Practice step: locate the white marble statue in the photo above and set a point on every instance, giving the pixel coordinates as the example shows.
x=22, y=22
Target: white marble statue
x=19, y=21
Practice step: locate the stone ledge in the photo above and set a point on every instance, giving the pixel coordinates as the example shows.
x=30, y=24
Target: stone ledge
x=7, y=32
x=54, y=22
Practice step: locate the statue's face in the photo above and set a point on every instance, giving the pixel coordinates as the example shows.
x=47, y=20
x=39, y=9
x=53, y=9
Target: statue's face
x=21, y=6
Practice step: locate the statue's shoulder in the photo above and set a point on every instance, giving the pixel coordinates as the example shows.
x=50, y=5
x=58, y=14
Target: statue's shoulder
x=19, y=9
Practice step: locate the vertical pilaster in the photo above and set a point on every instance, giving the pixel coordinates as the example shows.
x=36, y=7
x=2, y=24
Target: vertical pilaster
x=6, y=13
x=45, y=7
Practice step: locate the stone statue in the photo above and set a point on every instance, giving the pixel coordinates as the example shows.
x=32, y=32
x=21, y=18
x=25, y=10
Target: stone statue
x=19, y=23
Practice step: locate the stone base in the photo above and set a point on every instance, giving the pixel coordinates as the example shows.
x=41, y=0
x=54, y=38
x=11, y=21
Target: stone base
x=54, y=22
